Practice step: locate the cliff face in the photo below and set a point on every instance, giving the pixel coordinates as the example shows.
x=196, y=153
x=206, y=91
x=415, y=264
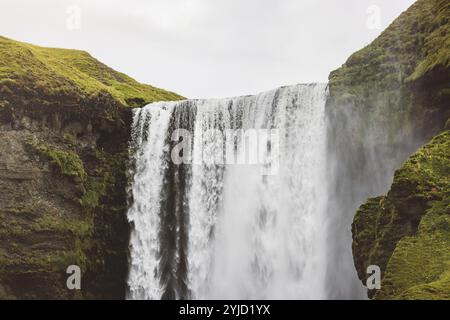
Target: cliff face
x=407, y=232
x=386, y=101
x=401, y=79
x=64, y=129
x=394, y=93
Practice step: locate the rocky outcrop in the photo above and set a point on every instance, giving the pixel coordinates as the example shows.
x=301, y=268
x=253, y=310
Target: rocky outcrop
x=386, y=101
x=407, y=232
x=64, y=129
x=62, y=203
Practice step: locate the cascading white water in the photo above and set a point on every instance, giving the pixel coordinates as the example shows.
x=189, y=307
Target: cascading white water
x=145, y=209
x=208, y=230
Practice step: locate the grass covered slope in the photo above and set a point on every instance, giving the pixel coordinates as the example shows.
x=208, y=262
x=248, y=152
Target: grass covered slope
x=407, y=232
x=38, y=72
x=402, y=77
x=64, y=131
x=414, y=46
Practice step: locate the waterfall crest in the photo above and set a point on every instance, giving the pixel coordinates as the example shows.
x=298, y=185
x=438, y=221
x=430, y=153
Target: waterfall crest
x=226, y=231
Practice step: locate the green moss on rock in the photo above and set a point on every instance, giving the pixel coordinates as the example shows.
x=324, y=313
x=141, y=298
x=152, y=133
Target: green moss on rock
x=399, y=82
x=420, y=262
x=407, y=232
x=68, y=162
x=416, y=43
x=64, y=129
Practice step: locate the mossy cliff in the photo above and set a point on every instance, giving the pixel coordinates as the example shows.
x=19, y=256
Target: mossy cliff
x=407, y=232
x=394, y=93
x=402, y=78
x=385, y=102
x=64, y=128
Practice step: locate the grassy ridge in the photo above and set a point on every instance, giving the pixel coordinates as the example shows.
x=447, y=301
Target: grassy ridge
x=64, y=131
x=414, y=45
x=50, y=72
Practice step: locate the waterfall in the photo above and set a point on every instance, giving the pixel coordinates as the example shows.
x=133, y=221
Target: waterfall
x=219, y=229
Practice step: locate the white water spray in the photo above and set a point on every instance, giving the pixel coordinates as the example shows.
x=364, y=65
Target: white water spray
x=226, y=231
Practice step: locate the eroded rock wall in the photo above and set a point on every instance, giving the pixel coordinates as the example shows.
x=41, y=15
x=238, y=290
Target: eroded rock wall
x=63, y=199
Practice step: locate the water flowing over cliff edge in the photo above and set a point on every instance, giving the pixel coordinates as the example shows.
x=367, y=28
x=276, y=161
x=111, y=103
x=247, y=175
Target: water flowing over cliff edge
x=65, y=122
x=210, y=230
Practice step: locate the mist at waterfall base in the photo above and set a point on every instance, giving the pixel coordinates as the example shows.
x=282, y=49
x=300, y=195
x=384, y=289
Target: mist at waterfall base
x=215, y=231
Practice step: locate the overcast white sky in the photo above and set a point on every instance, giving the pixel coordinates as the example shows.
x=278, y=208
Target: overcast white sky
x=206, y=48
